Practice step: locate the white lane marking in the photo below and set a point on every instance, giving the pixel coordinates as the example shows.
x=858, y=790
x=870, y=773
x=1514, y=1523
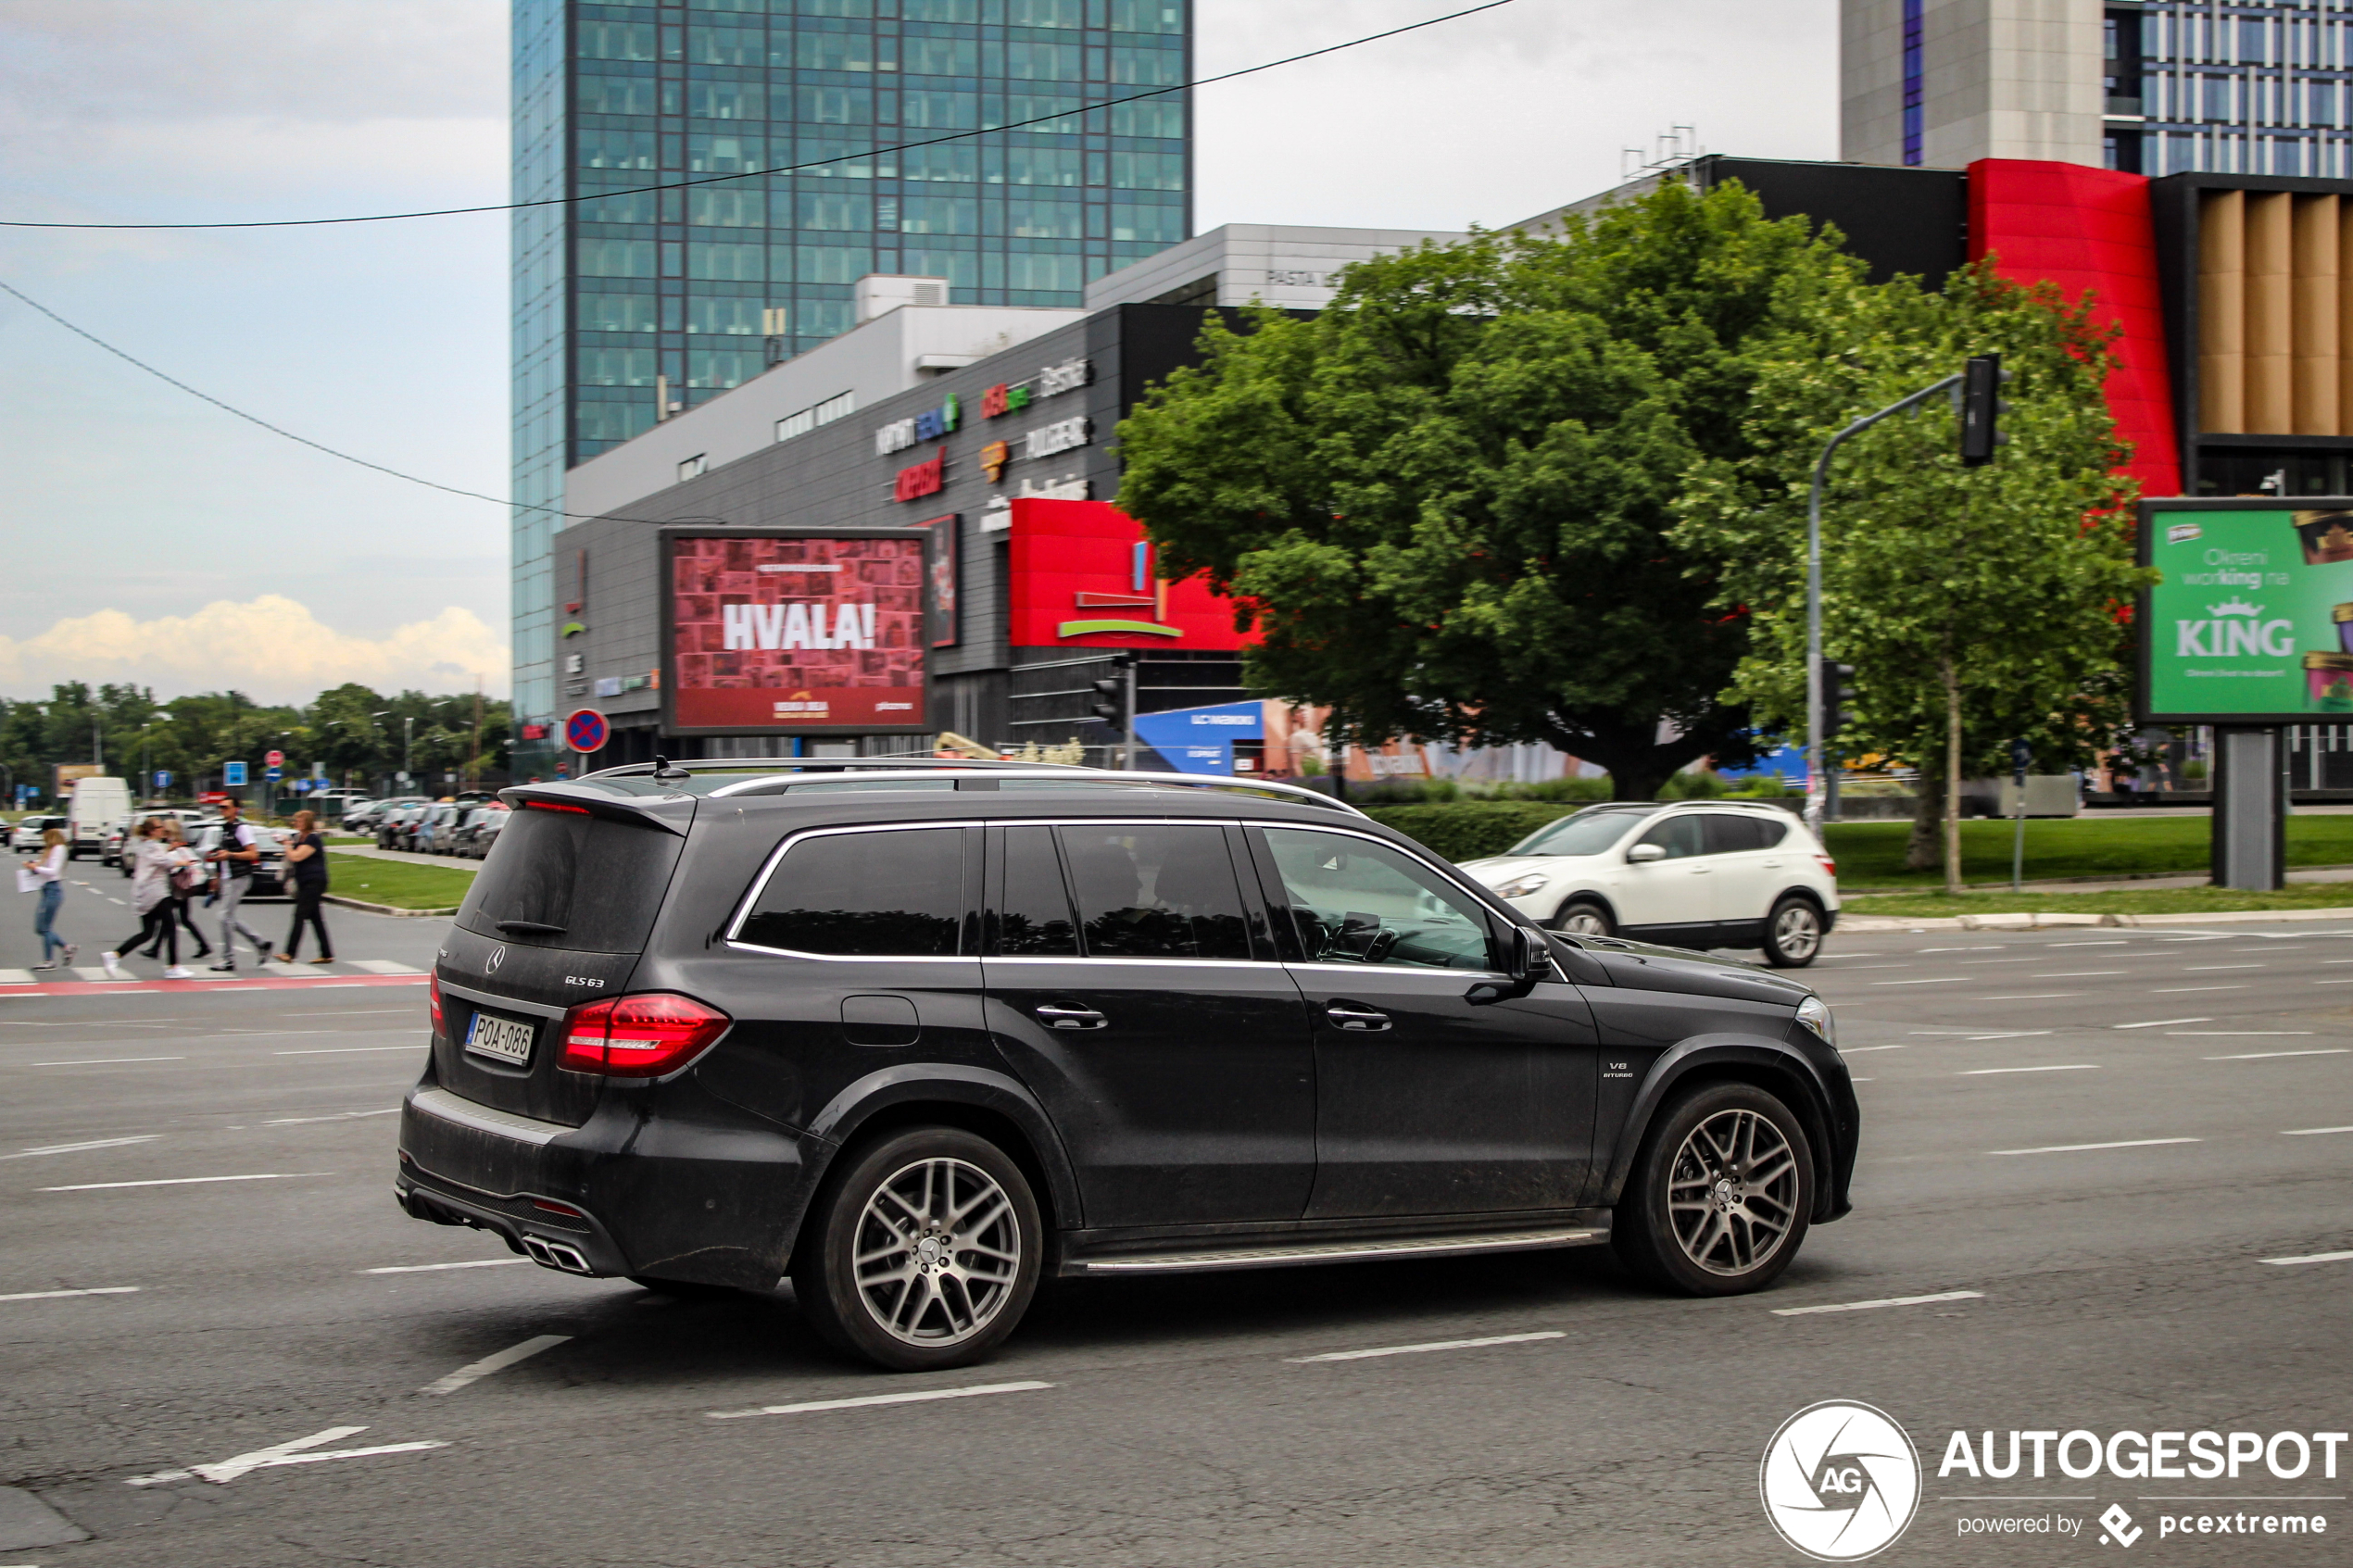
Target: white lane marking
x=2104, y=942
x=2332, y=983
x=2095, y=974
x=489, y=1364
x=1433, y=1344
x=919, y=1397
x=431, y=1268
x=2033, y=997
x=2239, y=1033
x=2161, y=1022
x=191, y=1181
x=2262, y=1056
x=338, y=1116
x=2012, y=1034
x=2079, y=1147
x=1980, y=948
x=2198, y=968
x=351, y=1013
x=2178, y=990
x=78, y=1148
x=1858, y=1050
x=2311, y=1132
x=350, y=1050
x=1941, y=980
x=2070, y=1067
x=277, y=1454
x=106, y=1060
x=2310, y=1257
x=53, y=1295
x=1887, y=1301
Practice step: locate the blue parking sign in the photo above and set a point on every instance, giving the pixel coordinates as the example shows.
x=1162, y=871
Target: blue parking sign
x=232, y=775
x=163, y=778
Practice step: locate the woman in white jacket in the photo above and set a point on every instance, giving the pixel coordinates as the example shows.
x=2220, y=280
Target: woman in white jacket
x=154, y=857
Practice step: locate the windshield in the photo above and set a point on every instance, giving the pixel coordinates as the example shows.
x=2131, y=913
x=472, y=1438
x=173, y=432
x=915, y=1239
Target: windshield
x=1588, y=833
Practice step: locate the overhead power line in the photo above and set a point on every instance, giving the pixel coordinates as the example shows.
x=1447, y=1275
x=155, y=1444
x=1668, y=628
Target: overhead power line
x=255, y=419
x=747, y=174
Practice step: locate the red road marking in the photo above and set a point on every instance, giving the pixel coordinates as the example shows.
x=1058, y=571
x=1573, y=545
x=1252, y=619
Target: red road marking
x=183, y=987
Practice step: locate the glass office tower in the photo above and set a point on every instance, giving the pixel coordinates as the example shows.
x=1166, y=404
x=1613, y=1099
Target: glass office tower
x=2231, y=88
x=623, y=302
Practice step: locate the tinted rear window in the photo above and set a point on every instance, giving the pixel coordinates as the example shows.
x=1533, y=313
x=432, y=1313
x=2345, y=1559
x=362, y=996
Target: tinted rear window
x=864, y=894
x=597, y=881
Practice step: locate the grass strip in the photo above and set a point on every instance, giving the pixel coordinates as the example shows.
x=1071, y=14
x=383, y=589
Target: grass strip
x=398, y=883
x=2154, y=902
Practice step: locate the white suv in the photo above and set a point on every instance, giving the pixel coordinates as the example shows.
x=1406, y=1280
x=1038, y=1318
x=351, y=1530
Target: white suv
x=1699, y=874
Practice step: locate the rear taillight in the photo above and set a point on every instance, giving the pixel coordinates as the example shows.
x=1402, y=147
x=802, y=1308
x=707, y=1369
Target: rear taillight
x=640, y=1036
x=433, y=1003
x=1829, y=866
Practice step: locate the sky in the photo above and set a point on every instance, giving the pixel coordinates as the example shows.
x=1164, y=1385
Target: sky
x=156, y=539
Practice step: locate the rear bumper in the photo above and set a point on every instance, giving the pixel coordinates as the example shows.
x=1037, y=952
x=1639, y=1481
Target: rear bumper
x=680, y=1199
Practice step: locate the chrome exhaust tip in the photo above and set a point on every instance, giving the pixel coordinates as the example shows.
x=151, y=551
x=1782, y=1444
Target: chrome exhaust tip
x=555, y=1255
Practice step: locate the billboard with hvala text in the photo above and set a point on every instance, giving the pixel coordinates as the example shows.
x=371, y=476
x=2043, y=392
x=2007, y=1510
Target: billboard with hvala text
x=781, y=632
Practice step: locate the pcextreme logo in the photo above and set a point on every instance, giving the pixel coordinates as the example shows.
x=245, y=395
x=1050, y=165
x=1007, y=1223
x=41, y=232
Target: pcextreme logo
x=1840, y=1480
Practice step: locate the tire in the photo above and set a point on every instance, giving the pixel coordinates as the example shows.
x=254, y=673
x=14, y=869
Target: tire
x=948, y=1308
x=1793, y=932
x=1584, y=917
x=1721, y=1194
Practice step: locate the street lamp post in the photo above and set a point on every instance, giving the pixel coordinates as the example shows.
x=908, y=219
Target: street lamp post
x=1816, y=784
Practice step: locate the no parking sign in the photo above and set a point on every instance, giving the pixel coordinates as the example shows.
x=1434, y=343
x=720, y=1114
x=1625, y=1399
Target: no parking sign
x=584, y=731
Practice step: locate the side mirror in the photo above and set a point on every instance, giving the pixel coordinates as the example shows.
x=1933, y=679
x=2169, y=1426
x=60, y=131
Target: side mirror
x=1642, y=854
x=1525, y=961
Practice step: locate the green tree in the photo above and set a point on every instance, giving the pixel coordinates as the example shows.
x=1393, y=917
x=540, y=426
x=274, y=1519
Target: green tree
x=1447, y=499
x=1977, y=605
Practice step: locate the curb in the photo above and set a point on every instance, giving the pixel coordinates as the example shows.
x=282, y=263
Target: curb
x=2025, y=920
x=386, y=909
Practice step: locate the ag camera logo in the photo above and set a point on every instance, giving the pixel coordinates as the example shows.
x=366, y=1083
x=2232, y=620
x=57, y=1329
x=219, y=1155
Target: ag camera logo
x=1840, y=1480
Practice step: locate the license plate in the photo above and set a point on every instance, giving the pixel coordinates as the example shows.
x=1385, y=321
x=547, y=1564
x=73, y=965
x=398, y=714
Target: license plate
x=508, y=1039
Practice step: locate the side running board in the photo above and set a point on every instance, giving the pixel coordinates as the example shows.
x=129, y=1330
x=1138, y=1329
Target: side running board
x=1333, y=1252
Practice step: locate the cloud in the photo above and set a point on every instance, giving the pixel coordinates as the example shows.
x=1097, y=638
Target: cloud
x=270, y=647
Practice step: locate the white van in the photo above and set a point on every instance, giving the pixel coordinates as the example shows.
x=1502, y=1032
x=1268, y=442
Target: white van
x=96, y=804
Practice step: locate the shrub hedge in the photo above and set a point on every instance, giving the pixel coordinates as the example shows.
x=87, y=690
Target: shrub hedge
x=1465, y=830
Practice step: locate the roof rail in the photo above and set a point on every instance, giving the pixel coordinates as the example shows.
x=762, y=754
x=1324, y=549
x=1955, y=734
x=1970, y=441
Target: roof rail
x=792, y=766
x=827, y=765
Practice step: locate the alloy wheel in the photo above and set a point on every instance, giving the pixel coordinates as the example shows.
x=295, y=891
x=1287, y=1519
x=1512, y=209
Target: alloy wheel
x=1733, y=1193
x=1583, y=919
x=937, y=1250
x=1797, y=931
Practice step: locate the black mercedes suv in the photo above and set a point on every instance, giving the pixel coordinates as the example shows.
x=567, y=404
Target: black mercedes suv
x=913, y=1035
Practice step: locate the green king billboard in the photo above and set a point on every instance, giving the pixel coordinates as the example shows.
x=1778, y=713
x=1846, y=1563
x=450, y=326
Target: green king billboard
x=2251, y=619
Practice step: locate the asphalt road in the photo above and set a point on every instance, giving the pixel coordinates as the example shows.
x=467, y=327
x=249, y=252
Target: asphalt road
x=1180, y=1422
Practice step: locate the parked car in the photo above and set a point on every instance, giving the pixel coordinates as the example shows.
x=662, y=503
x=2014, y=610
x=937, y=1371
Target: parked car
x=110, y=850
x=1700, y=874
x=432, y=832
x=918, y=1036
x=477, y=830
x=25, y=838
x=394, y=830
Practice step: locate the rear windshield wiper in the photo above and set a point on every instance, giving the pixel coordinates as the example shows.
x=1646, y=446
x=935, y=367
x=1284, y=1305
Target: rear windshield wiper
x=529, y=928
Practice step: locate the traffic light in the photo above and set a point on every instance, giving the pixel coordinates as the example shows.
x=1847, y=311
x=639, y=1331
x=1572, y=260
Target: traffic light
x=1981, y=408
x=1109, y=702
x=1837, y=687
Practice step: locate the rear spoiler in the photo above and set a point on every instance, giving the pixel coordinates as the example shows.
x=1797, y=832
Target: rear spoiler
x=669, y=811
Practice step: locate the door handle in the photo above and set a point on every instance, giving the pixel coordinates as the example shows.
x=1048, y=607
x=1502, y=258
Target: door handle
x=1353, y=1016
x=1072, y=1018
